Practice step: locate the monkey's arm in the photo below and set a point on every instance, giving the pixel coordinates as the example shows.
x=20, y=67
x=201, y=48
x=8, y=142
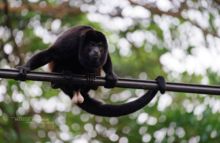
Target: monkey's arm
x=37, y=60
x=110, y=76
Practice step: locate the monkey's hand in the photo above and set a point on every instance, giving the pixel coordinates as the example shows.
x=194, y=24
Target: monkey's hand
x=111, y=80
x=23, y=70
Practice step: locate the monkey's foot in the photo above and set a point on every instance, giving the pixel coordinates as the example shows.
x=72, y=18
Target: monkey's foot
x=77, y=98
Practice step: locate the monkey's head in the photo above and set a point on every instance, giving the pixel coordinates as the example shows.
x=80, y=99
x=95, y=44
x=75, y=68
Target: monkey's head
x=93, y=50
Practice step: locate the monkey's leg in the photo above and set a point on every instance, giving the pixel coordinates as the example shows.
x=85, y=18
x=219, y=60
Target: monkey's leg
x=110, y=77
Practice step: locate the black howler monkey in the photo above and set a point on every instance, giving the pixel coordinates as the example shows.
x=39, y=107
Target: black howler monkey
x=83, y=50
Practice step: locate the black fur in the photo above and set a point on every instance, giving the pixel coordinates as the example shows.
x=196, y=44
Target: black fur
x=80, y=50
x=83, y=50
x=93, y=106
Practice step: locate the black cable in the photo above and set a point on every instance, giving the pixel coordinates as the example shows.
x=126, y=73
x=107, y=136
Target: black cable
x=123, y=83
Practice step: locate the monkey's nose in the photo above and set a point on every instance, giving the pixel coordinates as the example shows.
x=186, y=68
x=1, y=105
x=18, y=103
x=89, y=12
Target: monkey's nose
x=95, y=54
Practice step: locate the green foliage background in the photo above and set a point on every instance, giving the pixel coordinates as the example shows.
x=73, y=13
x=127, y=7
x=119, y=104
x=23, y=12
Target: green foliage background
x=33, y=112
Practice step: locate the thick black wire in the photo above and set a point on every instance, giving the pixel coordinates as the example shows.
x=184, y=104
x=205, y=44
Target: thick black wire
x=123, y=83
x=98, y=108
x=90, y=105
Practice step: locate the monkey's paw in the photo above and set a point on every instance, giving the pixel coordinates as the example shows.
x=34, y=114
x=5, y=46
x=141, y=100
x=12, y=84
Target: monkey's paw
x=111, y=80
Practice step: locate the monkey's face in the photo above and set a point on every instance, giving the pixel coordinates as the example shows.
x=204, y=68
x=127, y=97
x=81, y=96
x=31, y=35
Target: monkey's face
x=93, y=54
